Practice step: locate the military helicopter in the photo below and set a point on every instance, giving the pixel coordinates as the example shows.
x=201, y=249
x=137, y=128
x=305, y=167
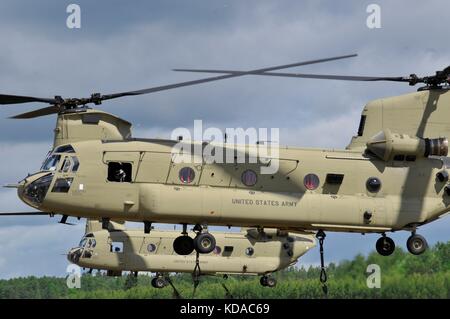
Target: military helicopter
x=392, y=176
x=247, y=252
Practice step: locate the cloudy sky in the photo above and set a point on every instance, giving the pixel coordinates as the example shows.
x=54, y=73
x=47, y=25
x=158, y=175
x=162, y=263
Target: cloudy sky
x=132, y=45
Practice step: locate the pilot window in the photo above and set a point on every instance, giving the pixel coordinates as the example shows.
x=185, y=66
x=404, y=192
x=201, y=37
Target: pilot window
x=50, y=163
x=119, y=172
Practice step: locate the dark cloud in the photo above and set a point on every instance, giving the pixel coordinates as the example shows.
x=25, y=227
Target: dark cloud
x=146, y=40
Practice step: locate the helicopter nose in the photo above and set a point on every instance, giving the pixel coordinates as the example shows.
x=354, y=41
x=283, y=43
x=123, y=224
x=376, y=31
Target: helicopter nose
x=303, y=244
x=32, y=190
x=74, y=255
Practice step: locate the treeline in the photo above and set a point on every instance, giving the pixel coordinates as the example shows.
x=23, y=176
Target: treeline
x=402, y=276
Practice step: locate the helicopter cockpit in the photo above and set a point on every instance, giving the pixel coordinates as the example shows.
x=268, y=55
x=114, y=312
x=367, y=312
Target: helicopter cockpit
x=35, y=189
x=83, y=249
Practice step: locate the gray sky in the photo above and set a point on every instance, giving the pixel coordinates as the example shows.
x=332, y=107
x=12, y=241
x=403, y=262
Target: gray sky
x=132, y=45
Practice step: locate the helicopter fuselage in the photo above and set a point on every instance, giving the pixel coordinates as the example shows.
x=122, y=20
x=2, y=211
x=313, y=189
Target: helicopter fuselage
x=247, y=252
x=139, y=180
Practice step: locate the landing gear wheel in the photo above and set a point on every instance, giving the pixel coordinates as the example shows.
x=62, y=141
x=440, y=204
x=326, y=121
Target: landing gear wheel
x=204, y=243
x=385, y=246
x=159, y=282
x=267, y=281
x=271, y=282
x=416, y=244
x=183, y=245
x=263, y=281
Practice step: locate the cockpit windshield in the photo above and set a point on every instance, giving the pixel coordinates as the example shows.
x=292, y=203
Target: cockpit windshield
x=82, y=242
x=50, y=163
x=87, y=243
x=53, y=157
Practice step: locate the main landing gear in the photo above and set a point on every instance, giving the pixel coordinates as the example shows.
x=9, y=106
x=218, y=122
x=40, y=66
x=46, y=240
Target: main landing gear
x=203, y=243
x=268, y=281
x=416, y=245
x=159, y=282
x=385, y=245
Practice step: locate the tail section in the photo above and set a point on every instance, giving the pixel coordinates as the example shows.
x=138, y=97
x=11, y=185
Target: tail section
x=423, y=114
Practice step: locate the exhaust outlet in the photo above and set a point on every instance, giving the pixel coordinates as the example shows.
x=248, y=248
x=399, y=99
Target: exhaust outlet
x=436, y=147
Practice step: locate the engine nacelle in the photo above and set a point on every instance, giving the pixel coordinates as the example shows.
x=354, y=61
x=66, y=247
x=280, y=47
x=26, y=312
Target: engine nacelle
x=386, y=145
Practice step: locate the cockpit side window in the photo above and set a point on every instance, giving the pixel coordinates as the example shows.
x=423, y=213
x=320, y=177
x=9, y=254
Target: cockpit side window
x=76, y=164
x=62, y=185
x=70, y=164
x=65, y=167
x=91, y=243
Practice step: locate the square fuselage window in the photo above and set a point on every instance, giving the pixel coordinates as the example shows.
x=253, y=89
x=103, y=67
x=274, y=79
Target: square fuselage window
x=119, y=172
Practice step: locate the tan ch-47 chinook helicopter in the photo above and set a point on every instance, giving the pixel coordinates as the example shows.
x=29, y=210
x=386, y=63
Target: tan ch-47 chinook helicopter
x=392, y=176
x=248, y=252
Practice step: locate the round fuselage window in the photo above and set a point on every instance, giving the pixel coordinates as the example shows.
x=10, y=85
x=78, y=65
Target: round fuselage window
x=311, y=181
x=373, y=184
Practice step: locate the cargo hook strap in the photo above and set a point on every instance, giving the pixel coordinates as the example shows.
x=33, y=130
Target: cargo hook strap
x=196, y=273
x=228, y=294
x=176, y=294
x=323, y=273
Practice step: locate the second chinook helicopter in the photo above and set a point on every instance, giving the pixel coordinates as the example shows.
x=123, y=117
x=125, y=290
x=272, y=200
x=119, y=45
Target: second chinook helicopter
x=393, y=176
x=247, y=252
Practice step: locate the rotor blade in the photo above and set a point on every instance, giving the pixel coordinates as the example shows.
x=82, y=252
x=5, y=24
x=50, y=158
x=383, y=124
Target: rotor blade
x=336, y=77
x=18, y=99
x=222, y=77
x=306, y=76
x=26, y=214
x=36, y=113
